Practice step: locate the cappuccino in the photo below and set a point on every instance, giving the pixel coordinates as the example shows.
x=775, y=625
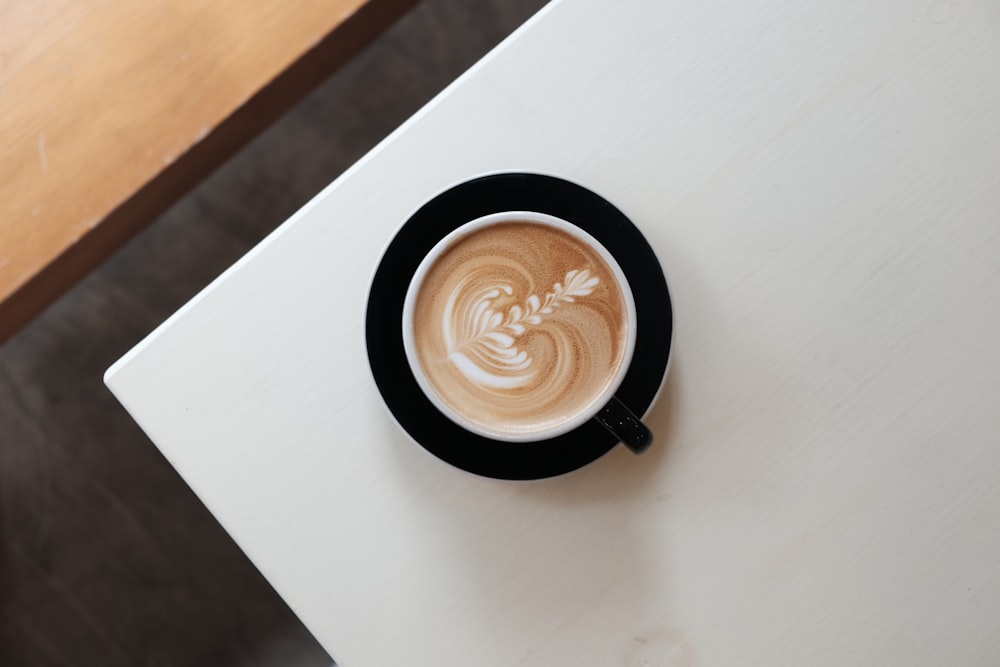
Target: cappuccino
x=519, y=327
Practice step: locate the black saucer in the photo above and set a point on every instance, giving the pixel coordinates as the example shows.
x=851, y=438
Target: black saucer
x=451, y=209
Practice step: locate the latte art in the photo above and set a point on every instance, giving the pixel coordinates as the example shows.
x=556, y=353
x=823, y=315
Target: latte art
x=481, y=341
x=519, y=327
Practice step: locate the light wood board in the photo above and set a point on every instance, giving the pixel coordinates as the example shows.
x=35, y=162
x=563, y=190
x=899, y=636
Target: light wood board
x=110, y=110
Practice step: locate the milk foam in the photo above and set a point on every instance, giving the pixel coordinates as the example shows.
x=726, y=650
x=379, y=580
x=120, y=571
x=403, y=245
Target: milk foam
x=520, y=326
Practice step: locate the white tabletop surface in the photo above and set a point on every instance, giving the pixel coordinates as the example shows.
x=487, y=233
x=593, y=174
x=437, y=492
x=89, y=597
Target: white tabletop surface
x=821, y=181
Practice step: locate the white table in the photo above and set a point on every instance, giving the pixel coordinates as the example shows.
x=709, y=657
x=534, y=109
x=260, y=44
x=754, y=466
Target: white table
x=822, y=183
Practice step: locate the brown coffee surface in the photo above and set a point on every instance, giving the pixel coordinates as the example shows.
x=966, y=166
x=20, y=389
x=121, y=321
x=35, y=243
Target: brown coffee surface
x=519, y=327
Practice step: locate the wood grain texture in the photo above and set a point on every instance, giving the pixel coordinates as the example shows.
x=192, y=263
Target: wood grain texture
x=112, y=110
x=821, y=182
x=106, y=557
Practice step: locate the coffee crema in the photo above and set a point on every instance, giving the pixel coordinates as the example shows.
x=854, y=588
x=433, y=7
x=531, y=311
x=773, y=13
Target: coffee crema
x=519, y=327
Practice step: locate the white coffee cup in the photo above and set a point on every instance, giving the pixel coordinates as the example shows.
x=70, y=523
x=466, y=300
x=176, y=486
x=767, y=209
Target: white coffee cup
x=600, y=404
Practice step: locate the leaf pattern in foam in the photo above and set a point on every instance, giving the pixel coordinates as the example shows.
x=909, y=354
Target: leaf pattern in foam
x=482, y=341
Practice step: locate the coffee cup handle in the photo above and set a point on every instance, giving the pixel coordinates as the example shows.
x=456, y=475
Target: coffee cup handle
x=623, y=423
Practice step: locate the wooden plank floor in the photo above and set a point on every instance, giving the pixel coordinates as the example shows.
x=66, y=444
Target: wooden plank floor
x=106, y=557
x=97, y=141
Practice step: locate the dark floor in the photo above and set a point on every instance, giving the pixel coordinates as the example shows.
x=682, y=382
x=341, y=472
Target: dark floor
x=106, y=557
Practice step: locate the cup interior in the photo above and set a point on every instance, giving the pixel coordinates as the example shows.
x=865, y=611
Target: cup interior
x=409, y=330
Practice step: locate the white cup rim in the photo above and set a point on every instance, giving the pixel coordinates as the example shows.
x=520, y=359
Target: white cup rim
x=409, y=342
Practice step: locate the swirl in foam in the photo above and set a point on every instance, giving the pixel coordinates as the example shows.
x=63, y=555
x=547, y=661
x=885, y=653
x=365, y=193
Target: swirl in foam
x=519, y=327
